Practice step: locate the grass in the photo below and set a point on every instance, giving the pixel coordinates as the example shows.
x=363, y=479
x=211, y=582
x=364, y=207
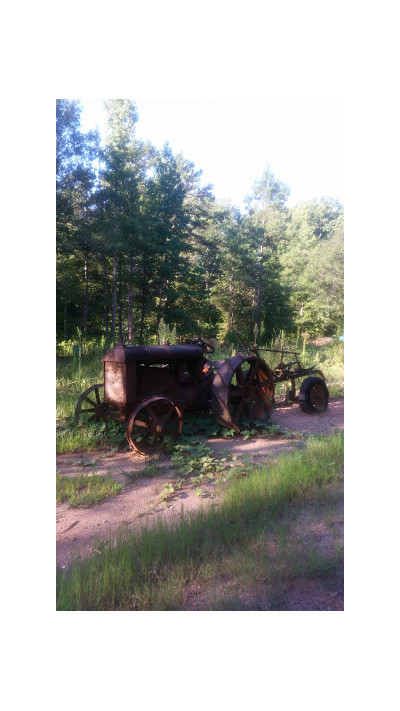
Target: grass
x=85, y=490
x=258, y=574
x=153, y=569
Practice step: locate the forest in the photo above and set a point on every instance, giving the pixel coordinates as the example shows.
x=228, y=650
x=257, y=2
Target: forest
x=145, y=253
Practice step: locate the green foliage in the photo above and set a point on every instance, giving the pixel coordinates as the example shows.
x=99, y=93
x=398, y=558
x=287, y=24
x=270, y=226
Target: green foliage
x=169, y=490
x=195, y=460
x=166, y=334
x=141, y=242
x=322, y=280
x=206, y=425
x=312, y=259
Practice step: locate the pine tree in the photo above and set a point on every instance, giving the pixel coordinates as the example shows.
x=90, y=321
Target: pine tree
x=119, y=206
x=268, y=217
x=75, y=182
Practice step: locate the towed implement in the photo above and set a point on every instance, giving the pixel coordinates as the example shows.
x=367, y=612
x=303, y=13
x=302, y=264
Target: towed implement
x=313, y=394
x=150, y=388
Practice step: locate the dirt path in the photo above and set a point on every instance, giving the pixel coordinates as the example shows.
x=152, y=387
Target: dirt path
x=80, y=529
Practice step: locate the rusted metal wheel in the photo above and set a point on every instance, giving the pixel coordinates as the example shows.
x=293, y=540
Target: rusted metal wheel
x=313, y=395
x=250, y=394
x=90, y=407
x=242, y=387
x=152, y=424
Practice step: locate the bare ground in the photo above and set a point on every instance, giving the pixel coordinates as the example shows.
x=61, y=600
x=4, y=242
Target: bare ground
x=80, y=529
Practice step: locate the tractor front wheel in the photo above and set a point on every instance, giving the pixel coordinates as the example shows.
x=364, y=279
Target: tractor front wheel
x=152, y=423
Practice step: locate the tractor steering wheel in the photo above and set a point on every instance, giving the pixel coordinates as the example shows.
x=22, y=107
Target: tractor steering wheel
x=207, y=347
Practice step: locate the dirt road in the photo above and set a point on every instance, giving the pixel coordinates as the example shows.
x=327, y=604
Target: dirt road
x=80, y=529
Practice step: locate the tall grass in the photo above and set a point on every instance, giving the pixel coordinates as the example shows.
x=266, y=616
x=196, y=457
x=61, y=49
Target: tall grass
x=150, y=568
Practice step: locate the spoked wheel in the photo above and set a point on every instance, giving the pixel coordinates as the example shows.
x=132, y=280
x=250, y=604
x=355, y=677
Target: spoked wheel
x=251, y=393
x=90, y=407
x=152, y=423
x=313, y=395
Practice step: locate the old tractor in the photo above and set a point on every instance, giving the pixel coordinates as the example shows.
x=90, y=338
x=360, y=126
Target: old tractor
x=150, y=388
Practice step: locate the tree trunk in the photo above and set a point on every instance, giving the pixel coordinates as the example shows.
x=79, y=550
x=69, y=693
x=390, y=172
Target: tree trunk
x=130, y=320
x=130, y=301
x=231, y=313
x=120, y=320
x=260, y=273
x=160, y=302
x=65, y=311
x=143, y=309
x=114, y=302
x=165, y=309
x=120, y=325
x=105, y=300
x=86, y=299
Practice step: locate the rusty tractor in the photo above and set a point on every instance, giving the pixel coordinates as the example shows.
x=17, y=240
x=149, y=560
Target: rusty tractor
x=150, y=388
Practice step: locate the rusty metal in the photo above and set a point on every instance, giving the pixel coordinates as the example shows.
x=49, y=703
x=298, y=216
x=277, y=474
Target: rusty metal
x=150, y=388
x=237, y=390
x=152, y=420
x=289, y=372
x=92, y=408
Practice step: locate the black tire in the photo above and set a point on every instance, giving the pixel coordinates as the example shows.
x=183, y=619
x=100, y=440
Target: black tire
x=313, y=395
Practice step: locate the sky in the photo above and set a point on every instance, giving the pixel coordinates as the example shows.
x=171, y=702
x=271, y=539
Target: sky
x=232, y=141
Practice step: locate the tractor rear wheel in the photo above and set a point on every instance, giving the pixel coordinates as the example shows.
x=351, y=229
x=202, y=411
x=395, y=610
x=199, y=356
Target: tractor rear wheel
x=250, y=394
x=243, y=387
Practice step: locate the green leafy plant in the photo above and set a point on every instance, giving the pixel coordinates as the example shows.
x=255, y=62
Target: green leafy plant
x=169, y=490
x=196, y=458
x=199, y=492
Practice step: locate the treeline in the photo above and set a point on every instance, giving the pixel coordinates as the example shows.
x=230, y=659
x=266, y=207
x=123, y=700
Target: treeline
x=141, y=242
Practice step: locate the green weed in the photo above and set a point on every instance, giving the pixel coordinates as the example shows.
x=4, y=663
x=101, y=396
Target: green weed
x=170, y=489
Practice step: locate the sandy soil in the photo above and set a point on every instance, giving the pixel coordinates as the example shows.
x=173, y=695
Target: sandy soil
x=80, y=529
